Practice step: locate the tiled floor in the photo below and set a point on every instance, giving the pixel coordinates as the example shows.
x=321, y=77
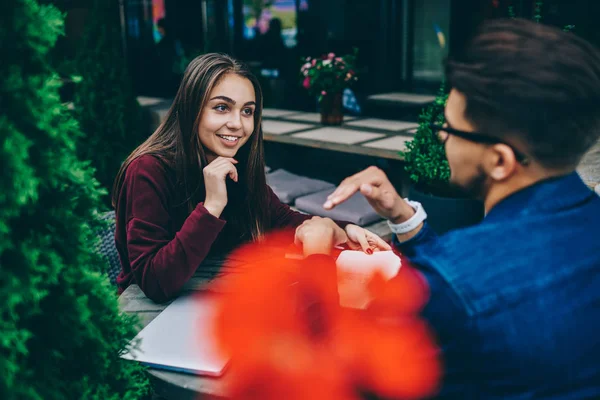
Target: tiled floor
x=386, y=124
x=392, y=143
x=313, y=117
x=277, y=113
x=150, y=101
x=403, y=97
x=280, y=127
x=338, y=135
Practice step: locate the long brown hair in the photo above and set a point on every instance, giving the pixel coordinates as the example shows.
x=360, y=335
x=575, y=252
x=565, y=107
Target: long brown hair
x=177, y=142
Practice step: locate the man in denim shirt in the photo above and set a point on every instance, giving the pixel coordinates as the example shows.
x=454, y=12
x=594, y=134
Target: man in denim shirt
x=515, y=300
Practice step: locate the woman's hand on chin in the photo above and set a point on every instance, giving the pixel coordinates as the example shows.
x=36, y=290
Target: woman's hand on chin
x=215, y=175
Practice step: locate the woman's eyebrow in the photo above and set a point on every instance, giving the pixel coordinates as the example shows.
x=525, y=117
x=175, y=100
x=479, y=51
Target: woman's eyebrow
x=231, y=101
x=224, y=98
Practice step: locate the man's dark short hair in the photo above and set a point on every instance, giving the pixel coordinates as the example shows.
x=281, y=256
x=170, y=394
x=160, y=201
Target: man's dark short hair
x=537, y=83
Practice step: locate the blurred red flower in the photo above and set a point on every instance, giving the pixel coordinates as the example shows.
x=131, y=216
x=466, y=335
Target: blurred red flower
x=288, y=338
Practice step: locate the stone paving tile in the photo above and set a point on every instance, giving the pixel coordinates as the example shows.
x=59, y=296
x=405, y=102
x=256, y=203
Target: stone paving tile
x=403, y=97
x=392, y=143
x=150, y=101
x=276, y=112
x=313, y=117
x=386, y=124
x=338, y=135
x=280, y=127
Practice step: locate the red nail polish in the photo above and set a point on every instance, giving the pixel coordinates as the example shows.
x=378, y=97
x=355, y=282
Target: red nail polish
x=369, y=251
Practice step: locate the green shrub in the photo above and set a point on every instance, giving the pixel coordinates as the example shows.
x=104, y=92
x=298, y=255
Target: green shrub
x=425, y=158
x=105, y=104
x=61, y=333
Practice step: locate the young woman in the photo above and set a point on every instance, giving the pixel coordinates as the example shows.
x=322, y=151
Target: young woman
x=197, y=185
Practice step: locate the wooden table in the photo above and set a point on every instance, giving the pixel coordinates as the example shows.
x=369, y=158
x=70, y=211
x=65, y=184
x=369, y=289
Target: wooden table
x=365, y=136
x=175, y=385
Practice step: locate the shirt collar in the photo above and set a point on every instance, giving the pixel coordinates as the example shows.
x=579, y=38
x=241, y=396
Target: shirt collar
x=549, y=195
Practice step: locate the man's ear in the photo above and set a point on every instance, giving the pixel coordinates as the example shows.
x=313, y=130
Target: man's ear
x=500, y=162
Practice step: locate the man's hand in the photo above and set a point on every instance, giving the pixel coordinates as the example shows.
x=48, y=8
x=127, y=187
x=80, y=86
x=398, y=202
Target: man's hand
x=379, y=192
x=319, y=236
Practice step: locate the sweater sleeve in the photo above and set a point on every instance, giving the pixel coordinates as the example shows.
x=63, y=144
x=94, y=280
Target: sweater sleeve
x=282, y=216
x=162, y=261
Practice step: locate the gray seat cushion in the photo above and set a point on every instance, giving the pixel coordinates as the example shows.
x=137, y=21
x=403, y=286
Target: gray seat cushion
x=288, y=187
x=355, y=210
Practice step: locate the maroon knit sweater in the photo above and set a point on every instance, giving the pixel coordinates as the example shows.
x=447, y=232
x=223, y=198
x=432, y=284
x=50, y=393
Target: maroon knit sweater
x=160, y=243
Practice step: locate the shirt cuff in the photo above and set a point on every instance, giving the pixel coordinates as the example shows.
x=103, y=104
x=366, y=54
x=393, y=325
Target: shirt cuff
x=423, y=235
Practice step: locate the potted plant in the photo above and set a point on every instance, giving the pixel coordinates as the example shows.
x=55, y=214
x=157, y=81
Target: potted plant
x=429, y=174
x=327, y=77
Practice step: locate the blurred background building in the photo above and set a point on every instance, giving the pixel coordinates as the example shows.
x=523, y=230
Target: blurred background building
x=401, y=43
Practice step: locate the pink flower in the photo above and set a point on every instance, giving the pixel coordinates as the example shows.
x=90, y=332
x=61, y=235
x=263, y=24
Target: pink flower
x=339, y=59
x=323, y=93
x=331, y=56
x=306, y=83
x=314, y=62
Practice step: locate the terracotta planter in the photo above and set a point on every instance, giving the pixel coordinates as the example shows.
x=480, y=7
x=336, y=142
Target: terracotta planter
x=331, y=109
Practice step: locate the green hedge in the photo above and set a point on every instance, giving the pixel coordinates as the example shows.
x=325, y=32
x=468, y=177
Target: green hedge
x=105, y=104
x=61, y=332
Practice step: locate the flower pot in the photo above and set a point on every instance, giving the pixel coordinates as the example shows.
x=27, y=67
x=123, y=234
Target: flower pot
x=331, y=109
x=448, y=213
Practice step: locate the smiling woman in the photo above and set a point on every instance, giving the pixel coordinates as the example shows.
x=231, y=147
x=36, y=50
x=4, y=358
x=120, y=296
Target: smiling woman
x=227, y=120
x=197, y=185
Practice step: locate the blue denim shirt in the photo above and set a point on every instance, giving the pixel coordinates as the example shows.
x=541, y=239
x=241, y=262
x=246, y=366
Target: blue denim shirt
x=515, y=300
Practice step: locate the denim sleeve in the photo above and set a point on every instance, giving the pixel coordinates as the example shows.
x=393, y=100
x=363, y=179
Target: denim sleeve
x=451, y=327
x=425, y=236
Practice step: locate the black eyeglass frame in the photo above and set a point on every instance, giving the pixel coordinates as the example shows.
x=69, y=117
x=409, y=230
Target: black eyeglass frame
x=477, y=138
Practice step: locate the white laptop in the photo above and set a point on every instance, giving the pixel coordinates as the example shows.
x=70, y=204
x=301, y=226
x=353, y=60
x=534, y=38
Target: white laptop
x=180, y=338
